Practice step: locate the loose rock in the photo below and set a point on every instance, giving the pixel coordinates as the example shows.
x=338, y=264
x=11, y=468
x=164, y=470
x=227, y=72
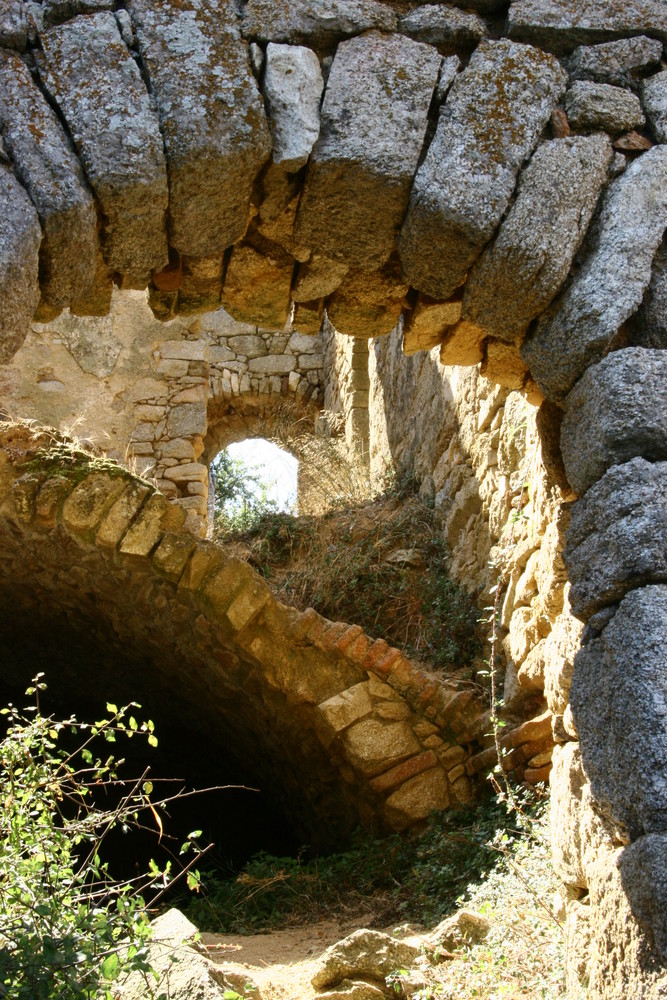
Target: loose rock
x=654, y=99
x=620, y=63
x=560, y=25
x=319, y=25
x=364, y=953
x=449, y=29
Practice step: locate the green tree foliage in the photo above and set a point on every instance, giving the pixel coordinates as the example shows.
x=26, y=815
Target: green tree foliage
x=68, y=928
x=241, y=495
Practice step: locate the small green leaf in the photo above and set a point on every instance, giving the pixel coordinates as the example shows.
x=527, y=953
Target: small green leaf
x=113, y=709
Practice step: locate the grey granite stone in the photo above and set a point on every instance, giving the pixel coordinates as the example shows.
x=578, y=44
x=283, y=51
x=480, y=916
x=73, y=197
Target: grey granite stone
x=609, y=286
x=49, y=170
x=13, y=25
x=448, y=28
x=561, y=25
x=648, y=327
x=293, y=87
x=617, y=538
x=20, y=237
x=97, y=85
x=654, y=99
x=489, y=124
x=374, y=119
x=593, y=106
x=616, y=411
x=58, y=11
x=622, y=63
x=450, y=67
x=212, y=116
x=619, y=702
x=643, y=868
x=319, y=25
x=518, y=275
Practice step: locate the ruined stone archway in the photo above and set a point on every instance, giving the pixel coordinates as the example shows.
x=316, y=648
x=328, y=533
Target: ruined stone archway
x=465, y=177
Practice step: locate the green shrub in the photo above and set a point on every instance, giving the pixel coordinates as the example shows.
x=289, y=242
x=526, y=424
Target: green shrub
x=68, y=928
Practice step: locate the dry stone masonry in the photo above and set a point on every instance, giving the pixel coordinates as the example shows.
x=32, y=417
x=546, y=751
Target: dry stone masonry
x=379, y=191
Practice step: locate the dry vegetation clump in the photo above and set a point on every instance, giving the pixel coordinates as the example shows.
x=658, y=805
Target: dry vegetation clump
x=380, y=564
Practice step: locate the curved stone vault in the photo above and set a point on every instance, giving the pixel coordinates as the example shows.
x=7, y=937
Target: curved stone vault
x=493, y=180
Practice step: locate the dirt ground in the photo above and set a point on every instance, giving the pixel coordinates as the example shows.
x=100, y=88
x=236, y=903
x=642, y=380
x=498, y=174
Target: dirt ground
x=280, y=963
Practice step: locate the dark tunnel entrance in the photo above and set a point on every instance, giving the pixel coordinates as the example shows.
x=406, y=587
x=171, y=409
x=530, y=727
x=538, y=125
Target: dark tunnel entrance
x=86, y=667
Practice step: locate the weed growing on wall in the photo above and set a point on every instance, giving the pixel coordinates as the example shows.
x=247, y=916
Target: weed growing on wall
x=68, y=928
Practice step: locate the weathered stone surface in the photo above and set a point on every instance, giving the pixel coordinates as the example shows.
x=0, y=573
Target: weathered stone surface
x=368, y=303
x=348, y=707
x=463, y=927
x=463, y=345
x=97, y=85
x=352, y=989
x=85, y=506
x=518, y=275
x=321, y=25
x=374, y=119
x=257, y=285
x=417, y=799
x=182, y=972
x=427, y=323
x=449, y=69
x=560, y=25
x=372, y=746
x=363, y=953
x=643, y=870
x=121, y=513
x=619, y=701
x=20, y=238
x=490, y=123
x=293, y=87
x=617, y=537
x=317, y=278
x=616, y=411
x=593, y=106
x=50, y=172
x=567, y=782
x=445, y=27
x=13, y=26
x=622, y=63
x=57, y=11
x=584, y=320
x=502, y=364
x=654, y=99
x=622, y=960
x=648, y=327
x=560, y=648
x=212, y=118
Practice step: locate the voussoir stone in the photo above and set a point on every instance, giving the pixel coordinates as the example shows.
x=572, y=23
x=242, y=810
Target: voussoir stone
x=20, y=238
x=90, y=73
x=561, y=25
x=617, y=411
x=518, y=275
x=489, y=124
x=293, y=87
x=319, y=25
x=619, y=701
x=654, y=99
x=450, y=29
x=50, y=171
x=212, y=116
x=374, y=119
x=592, y=106
x=617, y=538
x=621, y=63
x=608, y=288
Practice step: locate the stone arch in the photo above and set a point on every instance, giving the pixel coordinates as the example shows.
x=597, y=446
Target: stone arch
x=211, y=647
x=467, y=227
